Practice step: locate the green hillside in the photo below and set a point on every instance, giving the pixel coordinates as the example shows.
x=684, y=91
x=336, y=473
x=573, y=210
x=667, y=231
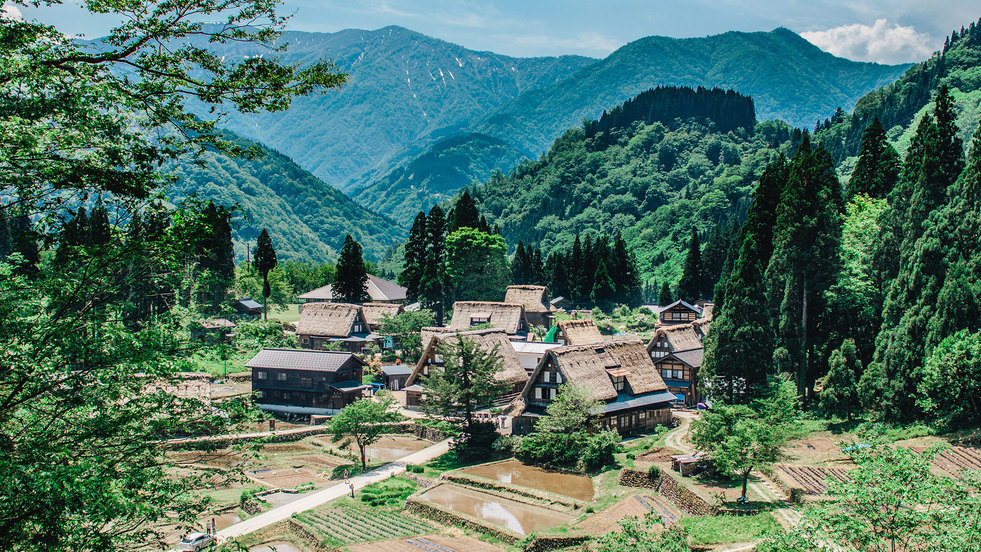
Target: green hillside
x=404, y=90
x=306, y=218
x=789, y=79
x=650, y=181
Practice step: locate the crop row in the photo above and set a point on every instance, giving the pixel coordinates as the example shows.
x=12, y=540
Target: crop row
x=350, y=525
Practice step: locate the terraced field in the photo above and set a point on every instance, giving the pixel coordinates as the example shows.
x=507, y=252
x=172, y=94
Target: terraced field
x=813, y=479
x=348, y=525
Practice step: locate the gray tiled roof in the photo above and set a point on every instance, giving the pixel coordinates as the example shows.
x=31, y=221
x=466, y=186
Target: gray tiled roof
x=300, y=359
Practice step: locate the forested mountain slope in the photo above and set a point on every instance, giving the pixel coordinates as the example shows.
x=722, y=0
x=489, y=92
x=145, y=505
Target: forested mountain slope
x=403, y=86
x=306, y=218
x=789, y=79
x=632, y=174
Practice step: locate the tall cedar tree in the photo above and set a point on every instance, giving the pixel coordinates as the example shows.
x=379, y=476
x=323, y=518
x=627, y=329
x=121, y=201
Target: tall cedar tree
x=265, y=260
x=465, y=214
x=839, y=393
x=351, y=280
x=603, y=291
x=432, y=283
x=624, y=273
x=664, y=296
x=804, y=264
x=910, y=302
x=415, y=258
x=690, y=285
x=521, y=270
x=878, y=164
x=215, y=255
x=739, y=349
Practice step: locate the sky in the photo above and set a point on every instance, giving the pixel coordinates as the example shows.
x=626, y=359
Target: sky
x=883, y=31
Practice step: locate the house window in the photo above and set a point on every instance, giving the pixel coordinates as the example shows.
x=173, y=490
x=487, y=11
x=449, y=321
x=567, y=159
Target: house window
x=545, y=376
x=619, y=382
x=358, y=328
x=538, y=393
x=551, y=393
x=666, y=374
x=558, y=377
x=260, y=394
x=260, y=375
x=306, y=382
x=306, y=341
x=286, y=395
x=679, y=374
x=478, y=320
x=281, y=376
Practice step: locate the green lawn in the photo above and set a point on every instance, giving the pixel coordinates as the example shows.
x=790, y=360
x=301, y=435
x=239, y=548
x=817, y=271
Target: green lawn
x=290, y=314
x=726, y=529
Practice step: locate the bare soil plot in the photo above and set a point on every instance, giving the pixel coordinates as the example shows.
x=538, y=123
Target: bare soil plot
x=811, y=478
x=635, y=505
x=955, y=459
x=286, y=478
x=427, y=543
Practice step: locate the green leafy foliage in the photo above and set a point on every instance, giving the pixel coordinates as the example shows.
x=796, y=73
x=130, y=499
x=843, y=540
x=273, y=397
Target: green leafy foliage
x=893, y=501
x=741, y=438
x=365, y=421
x=951, y=382
x=476, y=265
x=405, y=328
x=644, y=535
x=565, y=436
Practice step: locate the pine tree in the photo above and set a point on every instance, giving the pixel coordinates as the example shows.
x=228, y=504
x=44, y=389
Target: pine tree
x=877, y=169
x=604, y=290
x=415, y=258
x=625, y=276
x=351, y=279
x=265, y=260
x=99, y=231
x=521, y=266
x=574, y=267
x=690, y=285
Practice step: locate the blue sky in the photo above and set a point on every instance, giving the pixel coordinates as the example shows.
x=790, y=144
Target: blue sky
x=886, y=31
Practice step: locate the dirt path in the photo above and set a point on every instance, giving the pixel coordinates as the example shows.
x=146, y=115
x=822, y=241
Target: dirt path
x=677, y=438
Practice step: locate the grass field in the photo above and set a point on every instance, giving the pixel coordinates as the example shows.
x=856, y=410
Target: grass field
x=726, y=529
x=290, y=314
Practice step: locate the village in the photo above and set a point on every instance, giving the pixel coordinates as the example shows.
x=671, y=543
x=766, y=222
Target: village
x=305, y=488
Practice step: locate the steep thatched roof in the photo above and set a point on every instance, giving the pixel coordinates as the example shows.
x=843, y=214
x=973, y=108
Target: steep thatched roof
x=510, y=371
x=428, y=332
x=682, y=337
x=379, y=289
x=707, y=309
x=590, y=366
x=702, y=326
x=580, y=332
x=504, y=316
x=373, y=312
x=328, y=319
x=534, y=298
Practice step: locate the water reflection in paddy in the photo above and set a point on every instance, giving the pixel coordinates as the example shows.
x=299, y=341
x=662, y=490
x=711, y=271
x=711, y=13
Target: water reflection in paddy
x=517, y=516
x=579, y=487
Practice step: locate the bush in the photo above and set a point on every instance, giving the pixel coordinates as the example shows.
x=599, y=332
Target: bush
x=606, y=327
x=797, y=495
x=507, y=445
x=599, y=450
x=631, y=456
x=388, y=492
x=477, y=442
x=653, y=472
x=412, y=468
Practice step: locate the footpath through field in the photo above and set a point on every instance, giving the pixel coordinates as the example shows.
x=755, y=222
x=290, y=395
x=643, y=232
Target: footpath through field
x=323, y=496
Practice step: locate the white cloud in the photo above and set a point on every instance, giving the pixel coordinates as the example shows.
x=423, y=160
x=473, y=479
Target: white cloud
x=10, y=11
x=878, y=42
x=585, y=43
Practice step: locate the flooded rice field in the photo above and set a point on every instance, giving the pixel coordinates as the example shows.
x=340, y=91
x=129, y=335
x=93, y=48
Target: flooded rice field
x=514, y=472
x=393, y=447
x=517, y=516
x=277, y=546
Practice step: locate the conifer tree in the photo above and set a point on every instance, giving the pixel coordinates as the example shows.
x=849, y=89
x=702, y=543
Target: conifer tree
x=99, y=231
x=839, y=395
x=465, y=214
x=603, y=291
x=625, y=275
x=877, y=169
x=537, y=267
x=415, y=258
x=521, y=265
x=574, y=267
x=664, y=297
x=265, y=260
x=432, y=284
x=351, y=279
x=690, y=285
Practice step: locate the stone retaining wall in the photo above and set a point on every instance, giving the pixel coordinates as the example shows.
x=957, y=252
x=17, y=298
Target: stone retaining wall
x=491, y=485
x=421, y=481
x=444, y=516
x=309, y=538
x=544, y=544
x=666, y=486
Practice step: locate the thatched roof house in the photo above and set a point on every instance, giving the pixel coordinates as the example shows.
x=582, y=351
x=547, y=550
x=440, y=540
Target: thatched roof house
x=580, y=331
x=618, y=373
x=428, y=332
x=677, y=352
x=510, y=371
x=374, y=312
x=380, y=290
x=322, y=323
x=509, y=317
x=535, y=300
x=679, y=312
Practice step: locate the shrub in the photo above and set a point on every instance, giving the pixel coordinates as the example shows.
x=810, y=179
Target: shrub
x=796, y=495
x=653, y=472
x=599, y=450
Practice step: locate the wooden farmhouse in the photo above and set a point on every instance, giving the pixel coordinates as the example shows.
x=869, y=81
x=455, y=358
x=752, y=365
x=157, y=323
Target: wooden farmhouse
x=395, y=376
x=510, y=371
x=509, y=317
x=619, y=373
x=538, y=309
x=380, y=290
x=678, y=312
x=530, y=353
x=581, y=331
x=297, y=381
x=374, y=313
x=248, y=307
x=215, y=330
x=324, y=323
x=677, y=352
